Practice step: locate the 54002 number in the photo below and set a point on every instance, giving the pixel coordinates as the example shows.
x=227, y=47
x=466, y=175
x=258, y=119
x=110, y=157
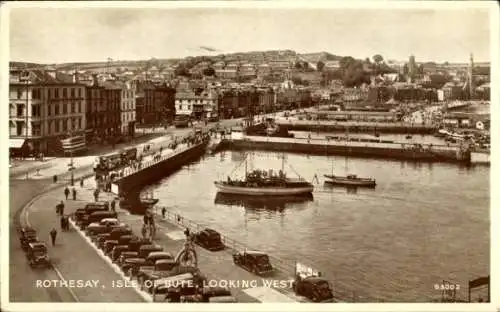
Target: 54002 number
x=446, y=286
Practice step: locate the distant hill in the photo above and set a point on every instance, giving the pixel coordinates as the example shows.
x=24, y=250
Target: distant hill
x=251, y=57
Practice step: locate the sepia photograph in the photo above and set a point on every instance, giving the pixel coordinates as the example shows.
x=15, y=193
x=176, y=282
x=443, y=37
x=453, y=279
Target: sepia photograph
x=272, y=152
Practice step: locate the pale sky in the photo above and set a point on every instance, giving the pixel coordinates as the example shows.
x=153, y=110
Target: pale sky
x=47, y=35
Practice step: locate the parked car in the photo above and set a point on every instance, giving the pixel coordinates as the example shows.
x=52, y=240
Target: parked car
x=37, y=255
x=314, y=288
x=95, y=216
x=117, y=251
x=126, y=239
x=254, y=261
x=209, y=239
x=120, y=231
x=162, y=266
x=135, y=244
x=208, y=293
x=149, y=278
x=90, y=208
x=99, y=239
x=28, y=235
x=150, y=262
x=145, y=250
x=126, y=255
x=167, y=286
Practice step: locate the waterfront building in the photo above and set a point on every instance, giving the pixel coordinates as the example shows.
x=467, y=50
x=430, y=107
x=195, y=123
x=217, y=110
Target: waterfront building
x=155, y=103
x=45, y=106
x=127, y=110
x=112, y=95
x=201, y=105
x=96, y=112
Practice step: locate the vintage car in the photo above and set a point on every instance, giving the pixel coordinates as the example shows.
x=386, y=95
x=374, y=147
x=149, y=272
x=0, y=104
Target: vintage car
x=126, y=239
x=314, y=288
x=254, y=261
x=89, y=208
x=135, y=244
x=126, y=255
x=149, y=278
x=37, y=255
x=28, y=235
x=104, y=226
x=149, y=262
x=95, y=216
x=162, y=266
x=117, y=251
x=145, y=250
x=119, y=231
x=209, y=239
x=208, y=293
x=173, y=287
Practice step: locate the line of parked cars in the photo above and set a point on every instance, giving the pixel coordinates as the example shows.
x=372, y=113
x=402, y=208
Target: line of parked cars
x=36, y=251
x=149, y=266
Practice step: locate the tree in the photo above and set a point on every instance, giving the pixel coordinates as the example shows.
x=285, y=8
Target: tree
x=209, y=71
x=181, y=70
x=345, y=62
x=355, y=75
x=377, y=59
x=320, y=65
x=367, y=60
x=298, y=65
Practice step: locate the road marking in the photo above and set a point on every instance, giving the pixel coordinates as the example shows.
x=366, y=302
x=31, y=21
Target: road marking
x=59, y=274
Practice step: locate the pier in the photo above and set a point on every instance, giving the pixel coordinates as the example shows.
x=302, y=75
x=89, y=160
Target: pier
x=133, y=179
x=393, y=150
x=355, y=126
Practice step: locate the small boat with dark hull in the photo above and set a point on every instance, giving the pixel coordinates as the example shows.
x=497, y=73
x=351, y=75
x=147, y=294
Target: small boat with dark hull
x=349, y=180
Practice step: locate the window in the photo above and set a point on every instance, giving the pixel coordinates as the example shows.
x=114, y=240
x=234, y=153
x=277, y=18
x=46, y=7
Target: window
x=64, y=93
x=72, y=107
x=19, y=93
x=49, y=109
x=56, y=112
x=36, y=94
x=19, y=128
x=49, y=93
x=72, y=92
x=35, y=110
x=79, y=106
x=64, y=125
x=56, y=93
x=56, y=124
x=65, y=108
x=36, y=129
x=79, y=123
x=20, y=110
x=79, y=92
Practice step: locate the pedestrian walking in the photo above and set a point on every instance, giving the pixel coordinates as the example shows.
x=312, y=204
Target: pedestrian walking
x=74, y=193
x=81, y=183
x=113, y=203
x=186, y=232
x=163, y=212
x=62, y=223
x=53, y=235
x=66, y=192
x=61, y=208
x=96, y=195
x=54, y=178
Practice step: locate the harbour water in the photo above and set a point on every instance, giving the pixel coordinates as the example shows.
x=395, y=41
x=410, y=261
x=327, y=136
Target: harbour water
x=424, y=223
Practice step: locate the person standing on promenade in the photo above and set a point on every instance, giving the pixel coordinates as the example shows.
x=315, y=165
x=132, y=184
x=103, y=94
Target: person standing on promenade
x=62, y=223
x=66, y=192
x=81, y=183
x=163, y=212
x=96, y=195
x=74, y=193
x=53, y=235
x=113, y=203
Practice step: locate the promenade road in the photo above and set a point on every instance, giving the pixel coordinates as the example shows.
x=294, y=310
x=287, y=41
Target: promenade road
x=22, y=279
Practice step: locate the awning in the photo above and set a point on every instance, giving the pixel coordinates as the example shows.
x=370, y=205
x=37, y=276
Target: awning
x=16, y=143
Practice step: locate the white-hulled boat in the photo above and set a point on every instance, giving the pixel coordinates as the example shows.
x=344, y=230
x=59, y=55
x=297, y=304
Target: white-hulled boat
x=265, y=183
x=350, y=180
x=285, y=187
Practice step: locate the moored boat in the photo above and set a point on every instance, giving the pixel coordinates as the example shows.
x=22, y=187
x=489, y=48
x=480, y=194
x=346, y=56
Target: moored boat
x=350, y=180
x=265, y=183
